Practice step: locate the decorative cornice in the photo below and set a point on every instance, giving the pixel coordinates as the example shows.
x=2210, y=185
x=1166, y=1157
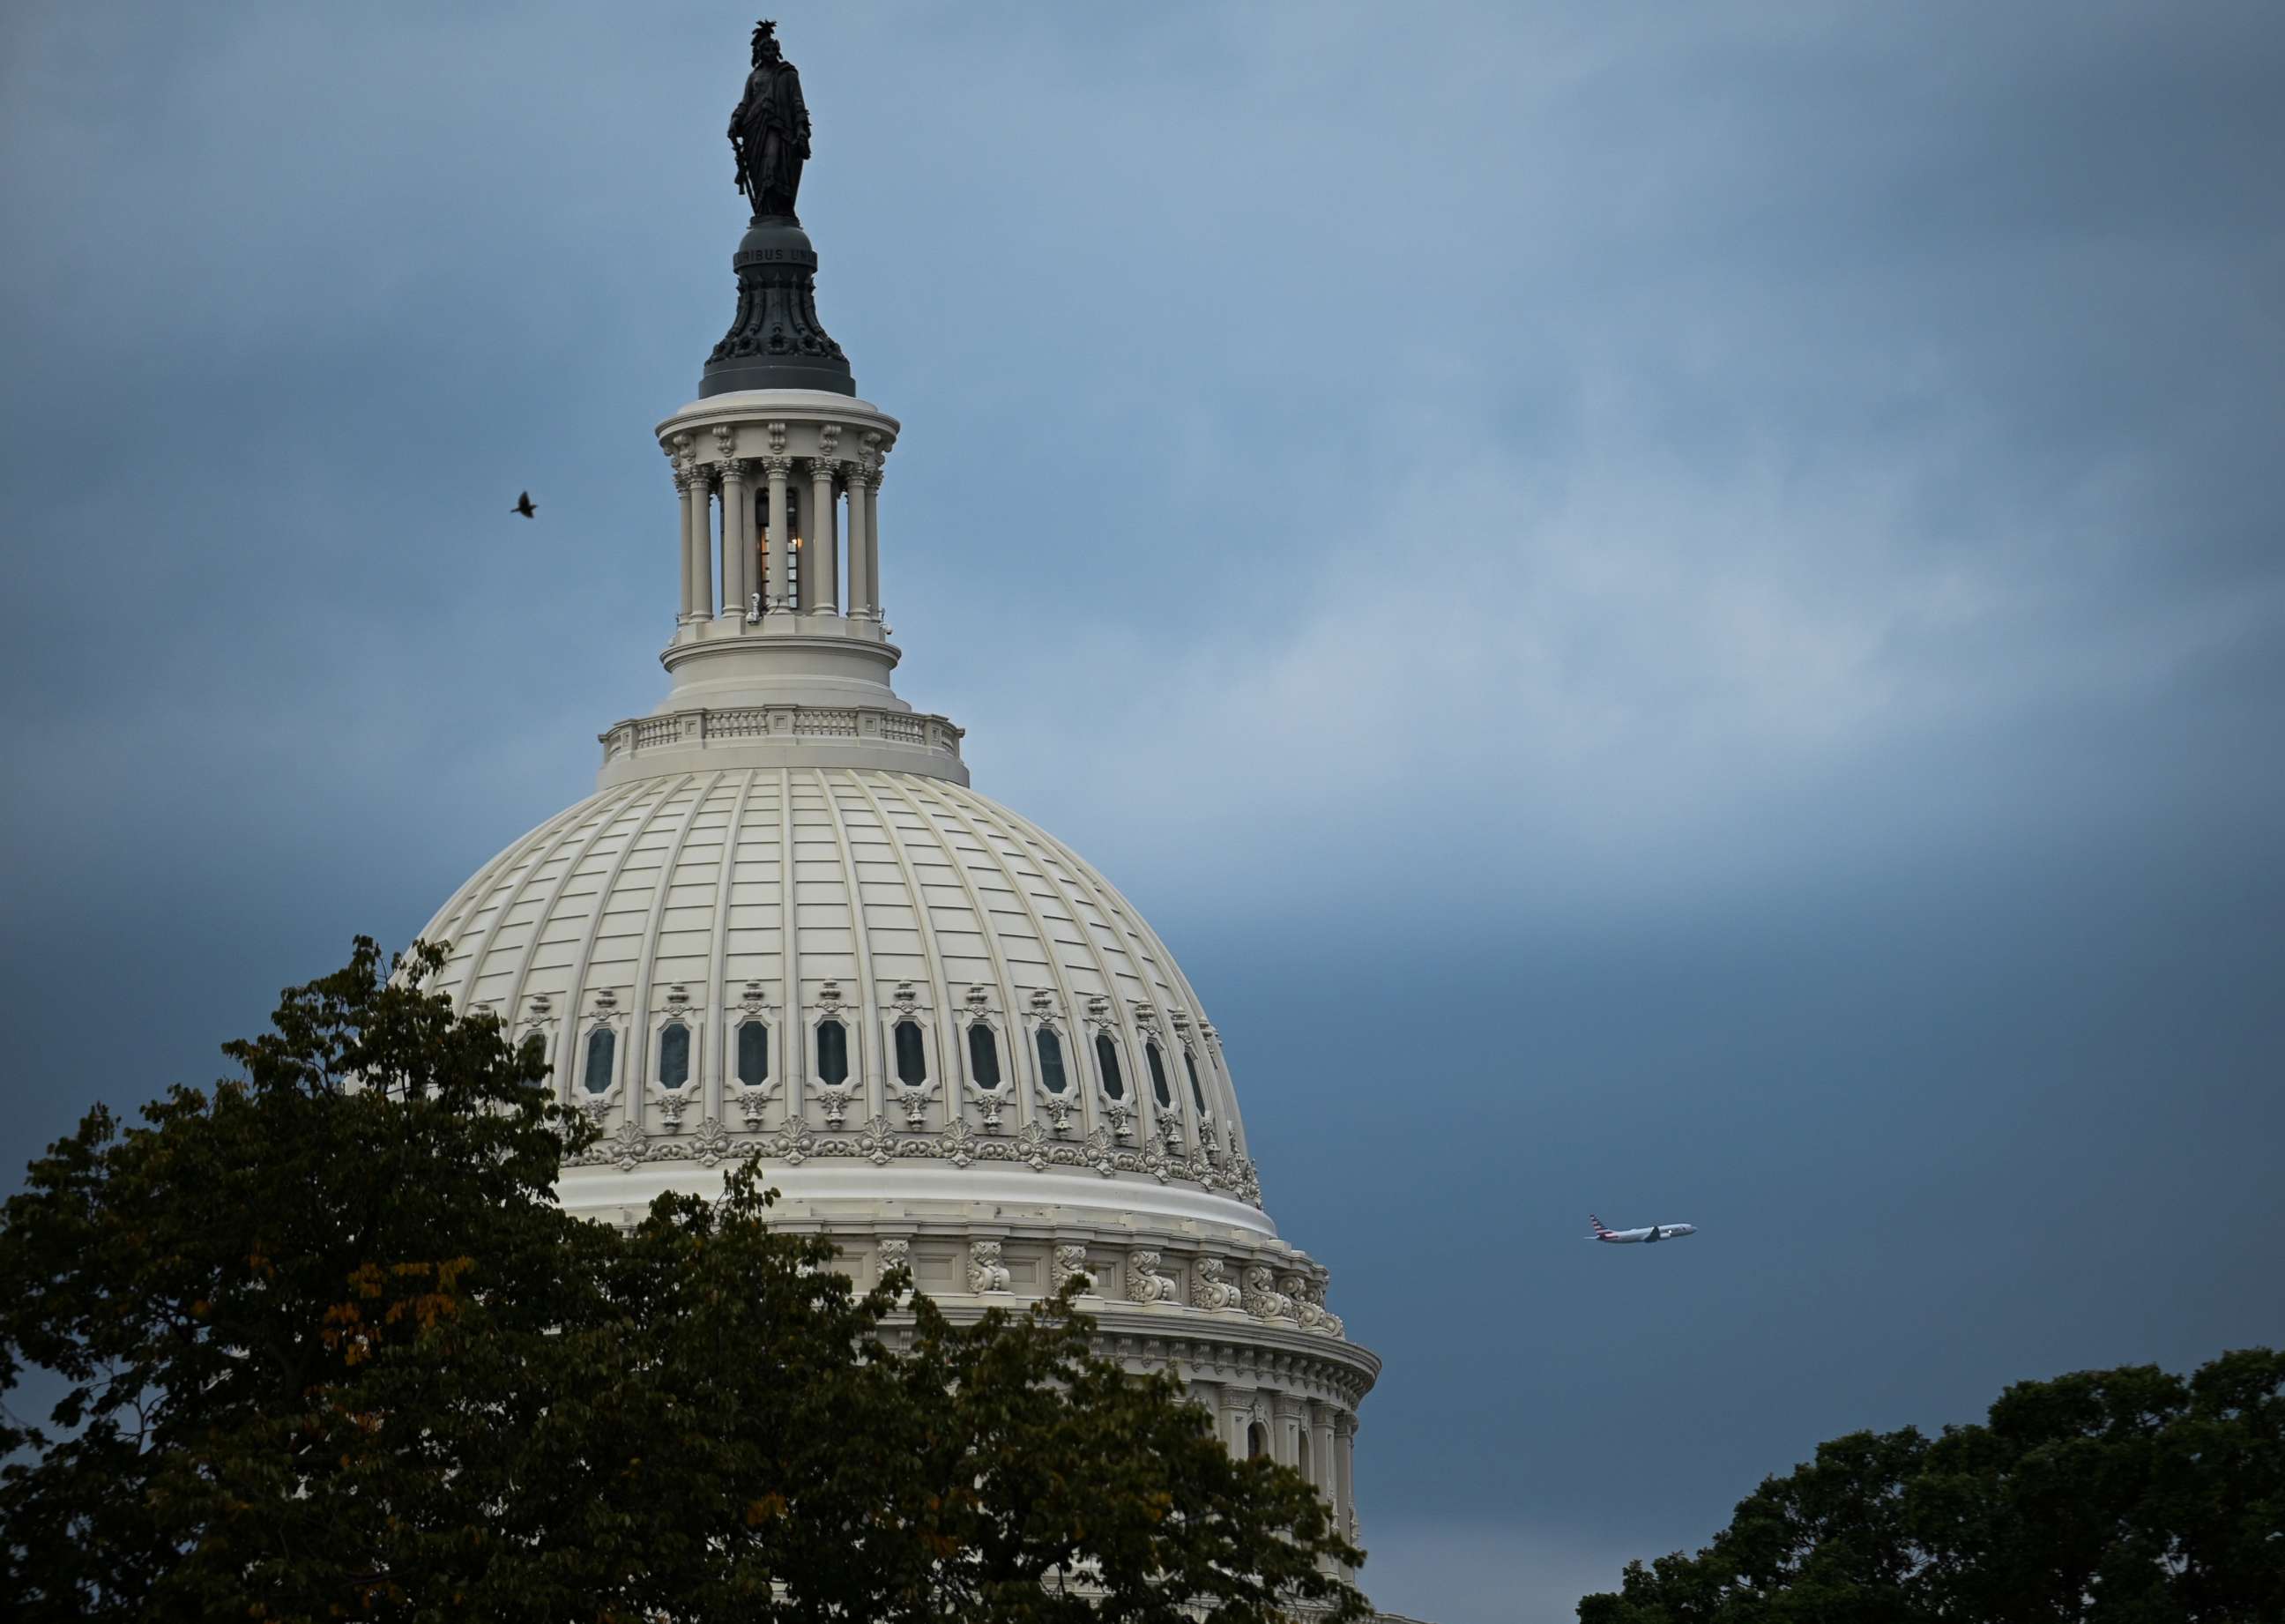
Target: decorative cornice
x=882, y=1143
x=787, y=723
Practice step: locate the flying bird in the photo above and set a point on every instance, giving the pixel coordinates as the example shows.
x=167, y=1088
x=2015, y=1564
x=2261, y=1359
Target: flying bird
x=523, y=506
x=1653, y=1232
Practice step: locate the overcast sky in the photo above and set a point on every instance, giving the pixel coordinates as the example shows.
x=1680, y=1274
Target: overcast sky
x=1676, y=610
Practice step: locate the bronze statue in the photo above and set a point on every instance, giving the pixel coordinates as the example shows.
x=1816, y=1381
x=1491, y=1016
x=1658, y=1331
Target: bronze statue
x=770, y=130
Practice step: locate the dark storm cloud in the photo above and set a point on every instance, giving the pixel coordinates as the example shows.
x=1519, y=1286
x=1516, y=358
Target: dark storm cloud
x=1675, y=611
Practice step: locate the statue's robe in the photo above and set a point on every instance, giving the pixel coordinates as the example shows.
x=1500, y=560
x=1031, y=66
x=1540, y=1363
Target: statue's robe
x=773, y=127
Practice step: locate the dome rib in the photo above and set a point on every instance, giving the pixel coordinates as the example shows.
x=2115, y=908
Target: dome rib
x=1130, y=920
x=608, y=883
x=639, y=1056
x=718, y=978
x=1088, y=1112
x=466, y=907
x=954, y=1062
x=1120, y=1008
x=873, y=1068
x=601, y=809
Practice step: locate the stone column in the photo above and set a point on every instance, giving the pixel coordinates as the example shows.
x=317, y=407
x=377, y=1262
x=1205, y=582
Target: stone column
x=861, y=571
x=821, y=574
x=697, y=543
x=873, y=540
x=779, y=469
x=1345, y=1516
x=682, y=543
x=1323, y=1456
x=1285, y=1431
x=737, y=538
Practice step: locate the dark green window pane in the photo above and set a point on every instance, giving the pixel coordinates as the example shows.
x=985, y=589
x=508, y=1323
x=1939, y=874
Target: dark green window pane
x=1051, y=1062
x=1106, y=1058
x=1197, y=1094
x=673, y=1054
x=912, y=1054
x=1165, y=1095
x=753, y=1053
x=832, y=1052
x=983, y=1056
x=602, y=1045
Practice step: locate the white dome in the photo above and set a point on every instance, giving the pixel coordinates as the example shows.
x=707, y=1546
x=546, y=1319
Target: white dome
x=785, y=928
x=661, y=903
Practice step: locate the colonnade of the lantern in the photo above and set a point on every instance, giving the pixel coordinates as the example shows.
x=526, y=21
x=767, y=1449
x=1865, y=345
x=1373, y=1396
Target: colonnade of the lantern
x=756, y=558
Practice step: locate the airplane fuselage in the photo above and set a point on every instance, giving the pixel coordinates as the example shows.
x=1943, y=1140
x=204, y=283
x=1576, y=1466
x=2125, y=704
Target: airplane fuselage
x=1648, y=1233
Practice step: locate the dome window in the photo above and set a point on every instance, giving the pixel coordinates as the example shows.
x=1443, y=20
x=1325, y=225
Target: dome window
x=673, y=1054
x=1159, y=1089
x=832, y=1053
x=912, y=1054
x=533, y=1050
x=1051, y=1061
x=983, y=1056
x=602, y=1049
x=1308, y=1475
x=1106, y=1060
x=753, y=1054
x=1197, y=1094
x=1257, y=1441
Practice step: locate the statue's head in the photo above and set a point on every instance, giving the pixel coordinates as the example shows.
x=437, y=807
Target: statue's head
x=765, y=43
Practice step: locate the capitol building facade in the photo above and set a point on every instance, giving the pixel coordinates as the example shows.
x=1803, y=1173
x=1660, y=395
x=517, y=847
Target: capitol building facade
x=784, y=927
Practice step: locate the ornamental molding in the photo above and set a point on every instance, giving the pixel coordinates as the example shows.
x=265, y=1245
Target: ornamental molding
x=1060, y=1107
x=712, y=1143
x=1210, y=1289
x=1308, y=1298
x=873, y=726
x=1259, y=1297
x=985, y=1272
x=989, y=1103
x=1145, y=1283
x=747, y=1112
x=752, y=1101
x=913, y=1099
x=673, y=1102
x=834, y=1099
x=1069, y=1263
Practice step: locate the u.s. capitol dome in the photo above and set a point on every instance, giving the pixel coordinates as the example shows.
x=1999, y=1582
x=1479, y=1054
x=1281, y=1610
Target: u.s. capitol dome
x=785, y=928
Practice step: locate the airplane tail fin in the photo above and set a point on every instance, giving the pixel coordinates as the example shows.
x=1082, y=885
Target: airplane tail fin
x=1597, y=1223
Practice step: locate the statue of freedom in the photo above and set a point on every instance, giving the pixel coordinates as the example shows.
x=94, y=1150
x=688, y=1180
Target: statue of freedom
x=770, y=130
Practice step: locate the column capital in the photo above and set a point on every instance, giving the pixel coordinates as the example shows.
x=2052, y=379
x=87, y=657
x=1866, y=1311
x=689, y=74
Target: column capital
x=776, y=467
x=736, y=467
x=858, y=475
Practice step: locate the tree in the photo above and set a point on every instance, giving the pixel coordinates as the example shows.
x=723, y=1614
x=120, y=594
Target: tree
x=2125, y=1496
x=329, y=1349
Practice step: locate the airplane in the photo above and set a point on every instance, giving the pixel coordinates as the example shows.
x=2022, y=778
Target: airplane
x=1625, y=1237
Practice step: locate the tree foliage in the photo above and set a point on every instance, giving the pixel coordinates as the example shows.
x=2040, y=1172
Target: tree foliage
x=329, y=1349
x=2125, y=1496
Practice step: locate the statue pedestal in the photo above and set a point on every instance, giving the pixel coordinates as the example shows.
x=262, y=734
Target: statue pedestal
x=776, y=341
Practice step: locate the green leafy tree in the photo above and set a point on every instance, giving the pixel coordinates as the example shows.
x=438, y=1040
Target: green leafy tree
x=2125, y=1496
x=328, y=1348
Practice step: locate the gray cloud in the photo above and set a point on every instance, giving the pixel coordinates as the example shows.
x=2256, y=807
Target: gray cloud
x=1678, y=613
